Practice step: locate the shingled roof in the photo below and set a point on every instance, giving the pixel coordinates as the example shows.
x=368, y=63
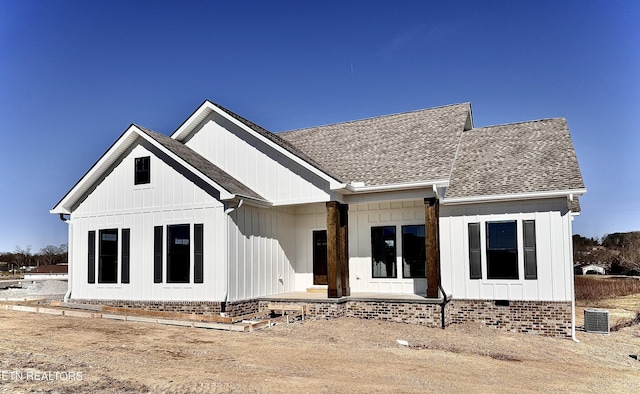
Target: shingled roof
x=402, y=148
x=203, y=165
x=439, y=144
x=536, y=156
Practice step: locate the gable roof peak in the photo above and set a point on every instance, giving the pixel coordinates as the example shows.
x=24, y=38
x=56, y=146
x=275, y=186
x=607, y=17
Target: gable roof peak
x=208, y=107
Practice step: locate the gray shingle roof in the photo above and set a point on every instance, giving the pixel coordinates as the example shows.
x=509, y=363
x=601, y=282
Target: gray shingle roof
x=203, y=165
x=401, y=148
x=574, y=205
x=424, y=145
x=535, y=156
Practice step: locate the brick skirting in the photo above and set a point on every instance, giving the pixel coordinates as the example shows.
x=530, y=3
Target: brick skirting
x=537, y=317
x=420, y=313
x=205, y=308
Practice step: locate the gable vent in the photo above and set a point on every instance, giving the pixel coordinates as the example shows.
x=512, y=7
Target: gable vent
x=596, y=321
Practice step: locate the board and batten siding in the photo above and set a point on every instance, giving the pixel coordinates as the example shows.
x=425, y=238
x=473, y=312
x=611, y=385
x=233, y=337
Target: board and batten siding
x=257, y=165
x=261, y=252
x=309, y=218
x=170, y=198
x=553, y=251
x=362, y=217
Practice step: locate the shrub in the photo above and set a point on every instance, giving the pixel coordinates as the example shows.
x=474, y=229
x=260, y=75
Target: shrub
x=594, y=289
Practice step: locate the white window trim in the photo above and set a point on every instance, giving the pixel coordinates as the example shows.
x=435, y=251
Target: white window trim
x=483, y=220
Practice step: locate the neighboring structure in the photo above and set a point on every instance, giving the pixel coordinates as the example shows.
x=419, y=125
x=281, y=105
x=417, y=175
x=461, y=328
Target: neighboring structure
x=224, y=213
x=45, y=272
x=590, y=268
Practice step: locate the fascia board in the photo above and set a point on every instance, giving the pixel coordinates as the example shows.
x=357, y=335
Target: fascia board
x=96, y=171
x=205, y=110
x=224, y=194
x=352, y=188
x=193, y=120
x=251, y=201
x=277, y=147
x=516, y=196
x=111, y=156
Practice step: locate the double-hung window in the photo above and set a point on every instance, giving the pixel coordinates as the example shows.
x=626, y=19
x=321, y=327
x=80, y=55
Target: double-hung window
x=414, y=254
x=383, y=251
x=501, y=250
x=142, y=173
x=179, y=253
x=109, y=255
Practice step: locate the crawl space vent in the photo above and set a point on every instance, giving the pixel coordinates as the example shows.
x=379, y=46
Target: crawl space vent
x=596, y=320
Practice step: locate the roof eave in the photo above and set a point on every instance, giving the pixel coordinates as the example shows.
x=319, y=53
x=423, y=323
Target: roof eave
x=515, y=196
x=110, y=156
x=224, y=193
x=204, y=110
x=249, y=200
x=208, y=107
x=95, y=172
x=359, y=187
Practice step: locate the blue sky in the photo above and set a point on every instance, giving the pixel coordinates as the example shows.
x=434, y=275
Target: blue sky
x=75, y=74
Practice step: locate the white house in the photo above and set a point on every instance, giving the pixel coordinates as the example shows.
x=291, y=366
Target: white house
x=47, y=272
x=223, y=214
x=589, y=268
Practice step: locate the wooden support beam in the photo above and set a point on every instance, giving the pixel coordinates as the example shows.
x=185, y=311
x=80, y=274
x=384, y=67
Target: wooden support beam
x=432, y=241
x=343, y=248
x=334, y=276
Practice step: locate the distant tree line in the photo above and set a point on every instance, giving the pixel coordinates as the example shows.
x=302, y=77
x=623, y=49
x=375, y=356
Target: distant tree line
x=23, y=257
x=619, y=250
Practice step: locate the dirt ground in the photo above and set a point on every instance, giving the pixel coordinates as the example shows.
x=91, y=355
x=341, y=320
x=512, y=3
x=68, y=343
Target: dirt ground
x=43, y=353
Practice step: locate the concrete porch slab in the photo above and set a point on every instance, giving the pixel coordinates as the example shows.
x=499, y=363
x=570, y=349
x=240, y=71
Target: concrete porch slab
x=303, y=296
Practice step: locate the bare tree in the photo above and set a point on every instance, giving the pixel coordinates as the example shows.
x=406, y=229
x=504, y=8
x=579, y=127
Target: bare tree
x=22, y=257
x=50, y=254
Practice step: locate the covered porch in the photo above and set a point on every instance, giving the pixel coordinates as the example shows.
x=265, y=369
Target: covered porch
x=336, y=257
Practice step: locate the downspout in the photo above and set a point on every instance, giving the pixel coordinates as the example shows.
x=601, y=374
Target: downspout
x=67, y=295
x=443, y=306
x=573, y=289
x=227, y=212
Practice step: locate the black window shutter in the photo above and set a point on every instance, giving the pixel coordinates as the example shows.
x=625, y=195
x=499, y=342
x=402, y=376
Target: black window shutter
x=157, y=254
x=475, y=264
x=124, y=274
x=198, y=253
x=530, y=262
x=92, y=257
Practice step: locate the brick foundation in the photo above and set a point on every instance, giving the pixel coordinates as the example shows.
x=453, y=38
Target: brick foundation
x=537, y=317
x=239, y=308
x=420, y=313
x=205, y=308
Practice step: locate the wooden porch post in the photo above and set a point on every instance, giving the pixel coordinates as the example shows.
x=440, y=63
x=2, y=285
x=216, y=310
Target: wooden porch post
x=334, y=277
x=432, y=241
x=343, y=247
x=337, y=250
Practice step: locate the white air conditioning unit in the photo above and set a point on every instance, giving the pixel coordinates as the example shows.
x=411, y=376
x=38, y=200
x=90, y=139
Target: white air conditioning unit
x=596, y=320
